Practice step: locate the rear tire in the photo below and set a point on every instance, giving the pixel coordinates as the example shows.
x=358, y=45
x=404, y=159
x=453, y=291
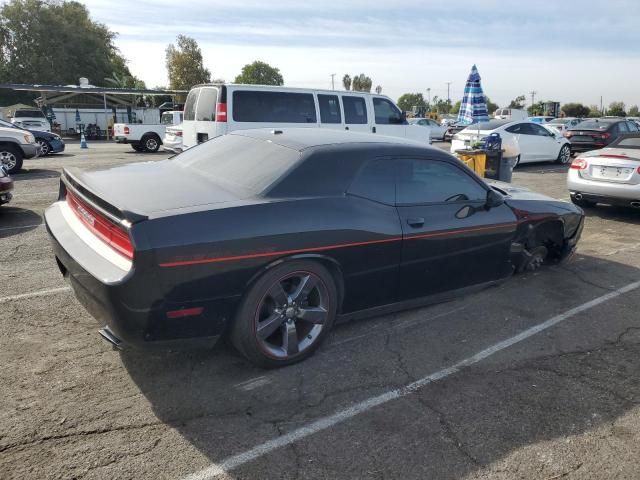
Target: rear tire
x=286, y=314
x=151, y=143
x=11, y=157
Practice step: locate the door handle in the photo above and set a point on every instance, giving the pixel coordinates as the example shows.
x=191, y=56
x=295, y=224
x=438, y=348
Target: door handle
x=415, y=222
x=373, y=129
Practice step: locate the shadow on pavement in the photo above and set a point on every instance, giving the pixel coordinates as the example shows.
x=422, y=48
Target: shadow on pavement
x=449, y=429
x=34, y=173
x=15, y=220
x=620, y=214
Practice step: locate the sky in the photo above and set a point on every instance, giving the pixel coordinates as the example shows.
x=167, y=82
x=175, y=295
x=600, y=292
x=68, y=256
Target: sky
x=567, y=51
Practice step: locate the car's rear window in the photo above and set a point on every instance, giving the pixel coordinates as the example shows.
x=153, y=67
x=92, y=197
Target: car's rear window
x=594, y=125
x=190, y=104
x=490, y=125
x=239, y=163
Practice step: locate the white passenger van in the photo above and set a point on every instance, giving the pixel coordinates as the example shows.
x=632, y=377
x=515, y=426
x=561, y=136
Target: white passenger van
x=212, y=110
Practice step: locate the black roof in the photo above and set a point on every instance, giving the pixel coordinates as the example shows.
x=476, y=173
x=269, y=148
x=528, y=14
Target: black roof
x=304, y=138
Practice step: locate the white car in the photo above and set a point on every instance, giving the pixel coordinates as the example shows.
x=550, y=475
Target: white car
x=564, y=124
x=525, y=141
x=31, y=119
x=610, y=175
x=146, y=137
x=510, y=114
x=172, y=141
x=437, y=131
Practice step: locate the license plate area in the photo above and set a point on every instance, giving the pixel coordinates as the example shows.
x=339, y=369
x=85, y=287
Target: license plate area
x=612, y=173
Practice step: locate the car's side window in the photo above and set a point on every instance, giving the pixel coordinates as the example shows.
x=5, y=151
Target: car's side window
x=386, y=112
x=518, y=128
x=422, y=181
x=632, y=127
x=329, y=109
x=355, y=110
x=376, y=181
x=541, y=131
x=622, y=127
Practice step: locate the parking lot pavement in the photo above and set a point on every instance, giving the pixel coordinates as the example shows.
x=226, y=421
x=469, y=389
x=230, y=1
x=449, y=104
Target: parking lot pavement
x=535, y=378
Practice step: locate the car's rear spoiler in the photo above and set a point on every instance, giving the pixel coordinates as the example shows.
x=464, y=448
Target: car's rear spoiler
x=74, y=179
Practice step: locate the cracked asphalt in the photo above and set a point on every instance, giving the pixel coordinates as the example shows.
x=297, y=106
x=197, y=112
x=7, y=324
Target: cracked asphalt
x=561, y=404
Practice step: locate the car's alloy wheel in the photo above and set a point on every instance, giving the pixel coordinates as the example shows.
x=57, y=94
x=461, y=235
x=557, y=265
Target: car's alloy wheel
x=564, y=156
x=8, y=159
x=151, y=144
x=44, y=147
x=286, y=314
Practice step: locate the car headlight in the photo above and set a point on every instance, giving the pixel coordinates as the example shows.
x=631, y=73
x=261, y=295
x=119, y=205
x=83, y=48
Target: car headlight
x=29, y=138
x=56, y=137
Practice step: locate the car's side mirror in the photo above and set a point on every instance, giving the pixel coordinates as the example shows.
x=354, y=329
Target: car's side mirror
x=494, y=199
x=403, y=118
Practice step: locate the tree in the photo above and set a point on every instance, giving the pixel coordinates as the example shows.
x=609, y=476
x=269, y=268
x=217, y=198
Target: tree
x=616, y=109
x=379, y=89
x=456, y=107
x=518, y=102
x=54, y=42
x=259, y=73
x=407, y=101
x=184, y=64
x=346, y=81
x=491, y=107
x=594, y=111
x=575, y=110
x=361, y=83
x=633, y=111
x=536, y=109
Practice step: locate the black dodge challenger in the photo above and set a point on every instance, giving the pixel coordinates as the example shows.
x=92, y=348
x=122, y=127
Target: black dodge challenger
x=272, y=235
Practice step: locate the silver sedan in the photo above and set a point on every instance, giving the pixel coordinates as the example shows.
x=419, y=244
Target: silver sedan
x=610, y=175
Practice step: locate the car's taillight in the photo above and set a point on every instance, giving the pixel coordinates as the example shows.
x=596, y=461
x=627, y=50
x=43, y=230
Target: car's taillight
x=109, y=232
x=604, y=135
x=567, y=134
x=579, y=164
x=638, y=170
x=178, y=134
x=126, y=130
x=221, y=112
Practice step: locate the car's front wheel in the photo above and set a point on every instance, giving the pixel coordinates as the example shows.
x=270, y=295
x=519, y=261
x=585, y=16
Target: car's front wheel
x=564, y=156
x=11, y=158
x=45, y=148
x=286, y=314
x=151, y=143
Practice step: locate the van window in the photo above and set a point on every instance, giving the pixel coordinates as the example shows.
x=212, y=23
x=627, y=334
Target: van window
x=206, y=108
x=329, y=109
x=274, y=107
x=386, y=112
x=355, y=110
x=167, y=118
x=190, y=104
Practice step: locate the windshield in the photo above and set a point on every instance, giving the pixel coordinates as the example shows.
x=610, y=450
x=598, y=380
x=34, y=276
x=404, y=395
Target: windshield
x=238, y=162
x=29, y=113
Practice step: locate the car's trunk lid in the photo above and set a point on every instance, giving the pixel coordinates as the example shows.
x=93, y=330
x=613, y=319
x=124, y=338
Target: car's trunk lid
x=612, y=165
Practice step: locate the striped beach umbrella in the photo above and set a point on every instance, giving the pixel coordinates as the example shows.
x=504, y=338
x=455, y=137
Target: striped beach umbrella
x=473, y=108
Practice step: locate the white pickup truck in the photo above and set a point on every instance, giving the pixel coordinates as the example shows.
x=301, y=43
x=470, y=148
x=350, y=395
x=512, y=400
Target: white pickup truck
x=146, y=138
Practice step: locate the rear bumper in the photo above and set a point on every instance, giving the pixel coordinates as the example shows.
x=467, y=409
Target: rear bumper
x=6, y=187
x=616, y=193
x=123, y=140
x=132, y=306
x=585, y=147
x=616, y=201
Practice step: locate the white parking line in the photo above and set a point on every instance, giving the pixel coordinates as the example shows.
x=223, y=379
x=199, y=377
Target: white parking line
x=39, y=293
x=21, y=227
x=324, y=423
x=253, y=383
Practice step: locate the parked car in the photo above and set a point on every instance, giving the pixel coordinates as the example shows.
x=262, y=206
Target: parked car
x=31, y=119
x=510, y=114
x=541, y=120
x=563, y=124
x=6, y=185
x=16, y=145
x=212, y=110
x=172, y=141
x=438, y=131
x=610, y=175
x=146, y=137
x=598, y=132
x=49, y=142
x=452, y=129
x=271, y=235
x=525, y=141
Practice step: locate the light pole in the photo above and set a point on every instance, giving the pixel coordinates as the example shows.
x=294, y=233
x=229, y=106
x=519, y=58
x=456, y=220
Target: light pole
x=533, y=96
x=429, y=96
x=448, y=93
x=333, y=86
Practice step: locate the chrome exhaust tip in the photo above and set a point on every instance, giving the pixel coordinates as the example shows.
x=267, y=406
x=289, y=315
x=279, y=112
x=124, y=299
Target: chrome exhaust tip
x=578, y=196
x=108, y=335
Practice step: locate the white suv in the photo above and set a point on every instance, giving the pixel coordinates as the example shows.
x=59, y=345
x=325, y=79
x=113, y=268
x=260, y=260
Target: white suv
x=16, y=145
